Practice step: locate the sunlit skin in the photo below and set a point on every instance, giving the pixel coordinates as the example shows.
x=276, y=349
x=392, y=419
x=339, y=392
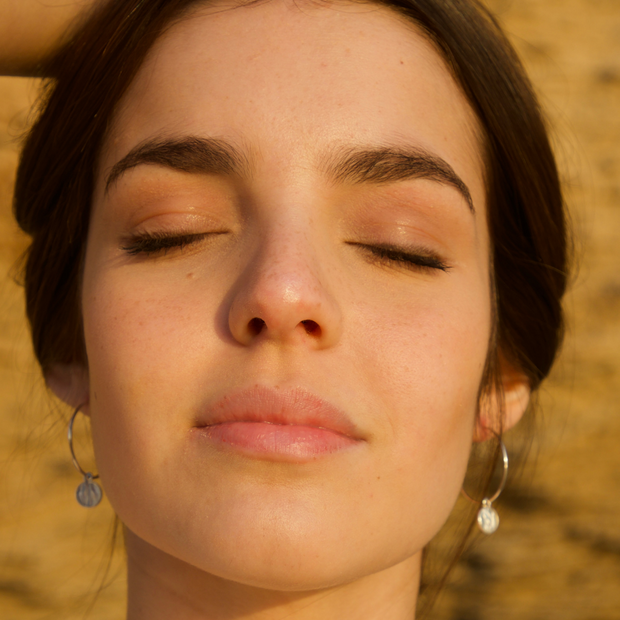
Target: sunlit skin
x=276, y=274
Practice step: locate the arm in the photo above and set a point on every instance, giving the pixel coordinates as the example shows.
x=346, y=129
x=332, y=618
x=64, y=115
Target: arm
x=32, y=30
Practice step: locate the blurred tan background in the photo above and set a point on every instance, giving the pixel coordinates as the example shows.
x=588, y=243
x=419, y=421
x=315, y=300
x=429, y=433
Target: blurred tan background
x=557, y=552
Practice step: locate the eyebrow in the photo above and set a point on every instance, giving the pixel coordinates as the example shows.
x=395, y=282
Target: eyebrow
x=387, y=165
x=191, y=154
x=195, y=154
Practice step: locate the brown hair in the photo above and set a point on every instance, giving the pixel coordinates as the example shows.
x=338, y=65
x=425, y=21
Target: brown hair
x=526, y=215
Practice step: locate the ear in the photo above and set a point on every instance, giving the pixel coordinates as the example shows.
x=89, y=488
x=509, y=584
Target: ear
x=515, y=398
x=71, y=384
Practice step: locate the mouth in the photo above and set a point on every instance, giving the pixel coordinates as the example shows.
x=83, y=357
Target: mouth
x=281, y=425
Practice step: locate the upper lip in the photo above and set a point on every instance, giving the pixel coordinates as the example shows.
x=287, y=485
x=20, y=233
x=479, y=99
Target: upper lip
x=292, y=406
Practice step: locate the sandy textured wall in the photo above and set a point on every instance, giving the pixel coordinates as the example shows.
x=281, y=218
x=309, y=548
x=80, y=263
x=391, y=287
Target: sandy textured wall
x=557, y=553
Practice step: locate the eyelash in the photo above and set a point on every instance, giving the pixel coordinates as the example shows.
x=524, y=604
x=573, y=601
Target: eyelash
x=425, y=259
x=155, y=243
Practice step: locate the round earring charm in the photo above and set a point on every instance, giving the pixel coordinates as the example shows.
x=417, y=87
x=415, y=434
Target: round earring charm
x=488, y=519
x=89, y=493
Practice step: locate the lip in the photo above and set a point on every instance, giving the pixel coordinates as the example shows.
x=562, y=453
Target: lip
x=277, y=424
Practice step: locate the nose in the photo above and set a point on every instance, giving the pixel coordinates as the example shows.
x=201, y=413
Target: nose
x=283, y=296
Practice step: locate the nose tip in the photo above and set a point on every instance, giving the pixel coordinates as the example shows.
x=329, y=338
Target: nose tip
x=285, y=305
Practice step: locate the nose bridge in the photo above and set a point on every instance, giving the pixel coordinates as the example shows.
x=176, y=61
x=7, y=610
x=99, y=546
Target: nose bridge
x=286, y=266
x=283, y=294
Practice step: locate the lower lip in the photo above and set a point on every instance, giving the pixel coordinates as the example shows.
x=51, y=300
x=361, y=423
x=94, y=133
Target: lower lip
x=277, y=441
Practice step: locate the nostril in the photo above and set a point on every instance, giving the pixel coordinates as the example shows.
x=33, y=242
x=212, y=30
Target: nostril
x=312, y=328
x=256, y=326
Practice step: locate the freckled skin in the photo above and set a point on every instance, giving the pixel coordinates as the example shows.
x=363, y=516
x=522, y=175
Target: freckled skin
x=400, y=349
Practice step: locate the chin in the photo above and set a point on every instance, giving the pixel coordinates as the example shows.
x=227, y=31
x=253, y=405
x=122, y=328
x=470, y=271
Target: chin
x=276, y=553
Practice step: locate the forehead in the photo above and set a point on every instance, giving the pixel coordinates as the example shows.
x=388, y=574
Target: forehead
x=288, y=81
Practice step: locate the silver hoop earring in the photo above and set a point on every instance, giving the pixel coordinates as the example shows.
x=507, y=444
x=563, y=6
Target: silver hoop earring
x=488, y=519
x=89, y=493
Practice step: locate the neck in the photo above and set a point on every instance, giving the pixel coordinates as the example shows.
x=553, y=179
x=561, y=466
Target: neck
x=161, y=587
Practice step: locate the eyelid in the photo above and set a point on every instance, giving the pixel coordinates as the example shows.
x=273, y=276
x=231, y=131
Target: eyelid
x=415, y=258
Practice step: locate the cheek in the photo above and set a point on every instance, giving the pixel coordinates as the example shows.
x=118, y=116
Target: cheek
x=129, y=334
x=146, y=345
x=147, y=328
x=425, y=368
x=427, y=351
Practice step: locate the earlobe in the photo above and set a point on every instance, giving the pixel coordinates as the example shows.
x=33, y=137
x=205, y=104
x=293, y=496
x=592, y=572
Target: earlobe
x=500, y=412
x=70, y=383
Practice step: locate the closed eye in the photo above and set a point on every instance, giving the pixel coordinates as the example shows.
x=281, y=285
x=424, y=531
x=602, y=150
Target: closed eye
x=161, y=243
x=421, y=259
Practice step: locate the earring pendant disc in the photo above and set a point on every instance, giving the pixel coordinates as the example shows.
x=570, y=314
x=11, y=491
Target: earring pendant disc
x=88, y=494
x=488, y=519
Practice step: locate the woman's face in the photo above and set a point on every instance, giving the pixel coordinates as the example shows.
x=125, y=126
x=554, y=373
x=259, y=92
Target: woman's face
x=286, y=295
